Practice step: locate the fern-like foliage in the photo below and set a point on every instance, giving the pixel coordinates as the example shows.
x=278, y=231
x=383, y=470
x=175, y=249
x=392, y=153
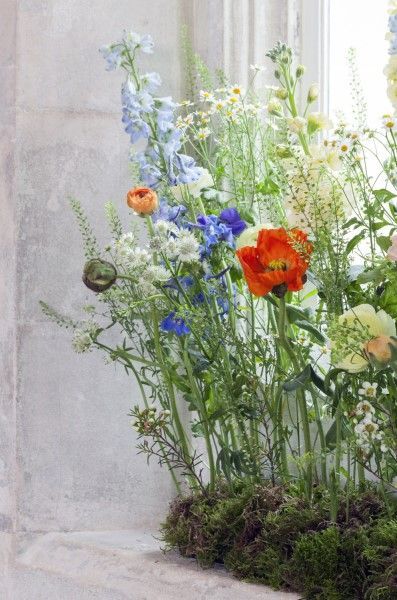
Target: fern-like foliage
x=359, y=103
x=113, y=219
x=90, y=244
x=198, y=75
x=57, y=317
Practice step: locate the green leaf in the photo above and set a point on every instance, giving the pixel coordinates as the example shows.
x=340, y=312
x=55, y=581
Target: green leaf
x=351, y=222
x=330, y=436
x=354, y=241
x=388, y=299
x=267, y=187
x=310, y=328
x=383, y=242
x=299, y=381
x=383, y=195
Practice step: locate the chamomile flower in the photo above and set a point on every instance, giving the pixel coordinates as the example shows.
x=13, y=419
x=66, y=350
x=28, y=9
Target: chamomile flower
x=186, y=103
x=206, y=96
x=203, y=133
x=368, y=389
x=389, y=122
x=236, y=90
x=257, y=68
x=345, y=146
x=364, y=408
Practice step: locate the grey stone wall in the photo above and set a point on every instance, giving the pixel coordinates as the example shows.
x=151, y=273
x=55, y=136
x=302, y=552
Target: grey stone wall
x=67, y=458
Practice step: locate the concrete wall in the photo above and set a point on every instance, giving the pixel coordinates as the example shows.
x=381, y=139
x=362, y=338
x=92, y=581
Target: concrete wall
x=67, y=458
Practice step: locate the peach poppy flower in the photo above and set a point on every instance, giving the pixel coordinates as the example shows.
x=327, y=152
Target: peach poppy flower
x=142, y=200
x=277, y=263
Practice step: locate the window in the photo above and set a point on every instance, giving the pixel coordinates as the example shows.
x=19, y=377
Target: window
x=329, y=29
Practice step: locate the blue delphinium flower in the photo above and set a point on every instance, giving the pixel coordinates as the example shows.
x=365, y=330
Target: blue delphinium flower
x=113, y=56
x=114, y=53
x=173, y=324
x=166, y=212
x=219, y=229
x=232, y=218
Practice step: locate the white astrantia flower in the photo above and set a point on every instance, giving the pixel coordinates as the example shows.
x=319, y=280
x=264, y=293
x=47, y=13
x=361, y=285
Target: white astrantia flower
x=153, y=274
x=84, y=336
x=318, y=121
x=296, y=124
x=195, y=188
x=368, y=389
x=163, y=228
x=187, y=247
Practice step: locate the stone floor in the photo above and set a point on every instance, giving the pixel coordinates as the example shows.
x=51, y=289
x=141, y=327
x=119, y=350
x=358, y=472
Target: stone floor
x=118, y=565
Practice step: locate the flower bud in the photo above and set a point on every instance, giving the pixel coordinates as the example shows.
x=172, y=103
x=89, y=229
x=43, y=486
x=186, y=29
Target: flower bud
x=313, y=93
x=274, y=108
x=99, y=275
x=142, y=200
x=277, y=74
x=283, y=151
x=381, y=350
x=281, y=93
x=300, y=69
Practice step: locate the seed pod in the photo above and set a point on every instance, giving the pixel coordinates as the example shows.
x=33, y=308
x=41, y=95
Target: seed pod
x=99, y=275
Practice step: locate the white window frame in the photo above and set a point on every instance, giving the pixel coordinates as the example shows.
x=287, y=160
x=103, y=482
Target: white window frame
x=315, y=46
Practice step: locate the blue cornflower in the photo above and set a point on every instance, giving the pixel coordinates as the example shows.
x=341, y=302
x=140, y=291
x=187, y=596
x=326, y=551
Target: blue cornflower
x=232, y=218
x=173, y=324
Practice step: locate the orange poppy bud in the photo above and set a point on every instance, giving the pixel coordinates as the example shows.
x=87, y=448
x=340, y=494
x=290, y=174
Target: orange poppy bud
x=142, y=200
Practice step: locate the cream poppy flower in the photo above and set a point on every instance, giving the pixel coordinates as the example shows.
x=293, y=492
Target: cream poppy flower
x=250, y=235
x=194, y=189
x=376, y=324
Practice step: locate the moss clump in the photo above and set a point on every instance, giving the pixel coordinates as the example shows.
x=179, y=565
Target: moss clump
x=381, y=555
x=270, y=535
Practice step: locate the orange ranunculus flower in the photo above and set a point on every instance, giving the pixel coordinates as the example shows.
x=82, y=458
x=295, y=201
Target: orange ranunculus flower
x=278, y=262
x=143, y=200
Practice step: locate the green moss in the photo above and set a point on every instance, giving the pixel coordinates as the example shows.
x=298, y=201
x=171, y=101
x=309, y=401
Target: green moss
x=381, y=555
x=270, y=535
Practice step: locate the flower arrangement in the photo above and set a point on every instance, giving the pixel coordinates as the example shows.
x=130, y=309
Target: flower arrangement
x=264, y=297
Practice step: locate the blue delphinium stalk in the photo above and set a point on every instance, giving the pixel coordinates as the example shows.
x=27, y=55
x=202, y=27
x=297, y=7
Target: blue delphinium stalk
x=393, y=31
x=150, y=118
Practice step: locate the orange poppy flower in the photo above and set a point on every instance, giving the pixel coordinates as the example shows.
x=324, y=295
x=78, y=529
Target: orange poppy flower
x=143, y=200
x=278, y=262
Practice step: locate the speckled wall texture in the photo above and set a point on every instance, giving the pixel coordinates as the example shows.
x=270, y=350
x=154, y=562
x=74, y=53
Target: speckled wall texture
x=67, y=458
